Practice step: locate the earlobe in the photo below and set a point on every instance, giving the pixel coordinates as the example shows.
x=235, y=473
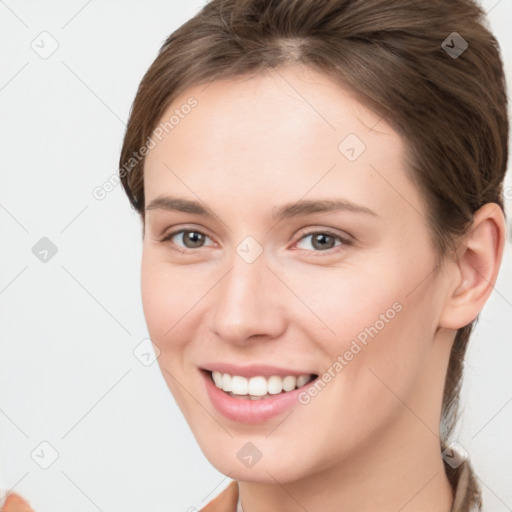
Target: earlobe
x=477, y=267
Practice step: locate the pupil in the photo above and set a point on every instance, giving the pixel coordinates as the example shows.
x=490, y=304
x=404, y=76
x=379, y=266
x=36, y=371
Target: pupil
x=193, y=238
x=322, y=237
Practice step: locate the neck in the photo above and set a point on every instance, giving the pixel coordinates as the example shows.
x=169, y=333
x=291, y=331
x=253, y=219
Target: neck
x=394, y=476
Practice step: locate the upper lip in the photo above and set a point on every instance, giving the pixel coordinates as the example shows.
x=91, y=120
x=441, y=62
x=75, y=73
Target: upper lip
x=254, y=370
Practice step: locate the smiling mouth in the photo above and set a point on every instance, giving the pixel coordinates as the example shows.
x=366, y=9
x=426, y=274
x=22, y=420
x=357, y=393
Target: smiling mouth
x=258, y=387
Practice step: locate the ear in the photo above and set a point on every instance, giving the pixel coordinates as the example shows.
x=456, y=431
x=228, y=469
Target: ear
x=476, y=268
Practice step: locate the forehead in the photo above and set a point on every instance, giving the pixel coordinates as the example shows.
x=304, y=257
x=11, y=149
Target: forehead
x=277, y=99
x=283, y=129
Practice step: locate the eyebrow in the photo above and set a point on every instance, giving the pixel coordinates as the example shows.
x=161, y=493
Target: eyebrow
x=286, y=211
x=309, y=207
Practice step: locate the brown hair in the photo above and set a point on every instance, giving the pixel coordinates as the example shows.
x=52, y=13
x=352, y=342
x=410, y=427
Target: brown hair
x=396, y=54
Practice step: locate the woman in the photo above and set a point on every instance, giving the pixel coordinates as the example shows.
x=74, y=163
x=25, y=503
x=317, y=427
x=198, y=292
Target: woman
x=320, y=189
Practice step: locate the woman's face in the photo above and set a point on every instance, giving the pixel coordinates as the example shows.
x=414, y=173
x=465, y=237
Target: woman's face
x=283, y=239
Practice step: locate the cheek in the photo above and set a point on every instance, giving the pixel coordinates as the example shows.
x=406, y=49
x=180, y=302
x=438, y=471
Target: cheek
x=165, y=305
x=166, y=298
x=353, y=304
x=155, y=299
x=384, y=351
x=380, y=328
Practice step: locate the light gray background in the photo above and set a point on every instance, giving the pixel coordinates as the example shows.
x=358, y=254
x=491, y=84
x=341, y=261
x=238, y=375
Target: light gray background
x=68, y=375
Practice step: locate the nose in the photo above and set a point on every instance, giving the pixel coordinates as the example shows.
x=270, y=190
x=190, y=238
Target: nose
x=248, y=303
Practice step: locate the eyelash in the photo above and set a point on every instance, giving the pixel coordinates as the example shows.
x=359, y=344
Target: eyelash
x=344, y=241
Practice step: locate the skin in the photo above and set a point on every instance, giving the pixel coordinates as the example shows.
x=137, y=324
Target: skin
x=370, y=439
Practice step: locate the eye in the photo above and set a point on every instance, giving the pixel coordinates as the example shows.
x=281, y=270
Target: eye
x=190, y=238
x=322, y=241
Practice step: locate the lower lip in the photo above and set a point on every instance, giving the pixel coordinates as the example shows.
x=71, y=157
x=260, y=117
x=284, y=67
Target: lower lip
x=245, y=410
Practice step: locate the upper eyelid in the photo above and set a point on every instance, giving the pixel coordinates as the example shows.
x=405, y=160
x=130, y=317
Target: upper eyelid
x=329, y=231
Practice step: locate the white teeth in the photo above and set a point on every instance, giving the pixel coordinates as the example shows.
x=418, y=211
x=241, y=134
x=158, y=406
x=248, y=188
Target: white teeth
x=217, y=378
x=239, y=385
x=301, y=380
x=257, y=387
x=289, y=383
x=226, y=381
x=274, y=385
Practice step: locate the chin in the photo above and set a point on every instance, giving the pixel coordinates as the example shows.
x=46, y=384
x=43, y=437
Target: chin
x=264, y=462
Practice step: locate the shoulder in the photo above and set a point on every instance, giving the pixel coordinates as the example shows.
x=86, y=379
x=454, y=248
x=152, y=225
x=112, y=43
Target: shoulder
x=15, y=503
x=226, y=501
